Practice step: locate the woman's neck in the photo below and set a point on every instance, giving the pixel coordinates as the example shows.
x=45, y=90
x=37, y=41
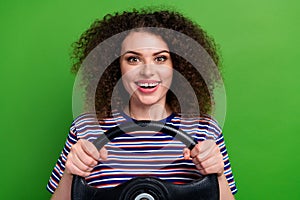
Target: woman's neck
x=152, y=112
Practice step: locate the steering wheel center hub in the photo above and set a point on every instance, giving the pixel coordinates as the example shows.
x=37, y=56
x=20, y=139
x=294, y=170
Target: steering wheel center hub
x=144, y=196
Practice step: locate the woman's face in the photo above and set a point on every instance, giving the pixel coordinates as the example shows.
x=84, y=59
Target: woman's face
x=146, y=68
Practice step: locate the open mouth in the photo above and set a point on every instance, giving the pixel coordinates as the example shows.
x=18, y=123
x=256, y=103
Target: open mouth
x=147, y=86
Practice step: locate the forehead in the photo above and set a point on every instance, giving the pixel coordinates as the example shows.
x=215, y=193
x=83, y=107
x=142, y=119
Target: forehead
x=143, y=40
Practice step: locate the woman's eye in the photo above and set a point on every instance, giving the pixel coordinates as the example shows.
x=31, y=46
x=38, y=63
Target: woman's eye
x=160, y=58
x=133, y=59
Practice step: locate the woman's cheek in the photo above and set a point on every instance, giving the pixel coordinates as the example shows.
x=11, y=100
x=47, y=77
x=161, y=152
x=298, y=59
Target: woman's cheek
x=128, y=81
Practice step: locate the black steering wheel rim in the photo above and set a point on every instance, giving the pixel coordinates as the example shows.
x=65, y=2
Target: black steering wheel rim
x=142, y=125
x=205, y=188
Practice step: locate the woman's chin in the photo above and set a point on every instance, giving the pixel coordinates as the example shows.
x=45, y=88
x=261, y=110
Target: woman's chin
x=149, y=101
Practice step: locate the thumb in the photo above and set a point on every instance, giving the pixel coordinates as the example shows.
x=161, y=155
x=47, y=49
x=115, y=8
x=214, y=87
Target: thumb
x=186, y=153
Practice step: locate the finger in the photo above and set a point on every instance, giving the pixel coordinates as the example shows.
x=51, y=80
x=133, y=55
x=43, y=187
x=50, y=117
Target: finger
x=207, y=144
x=212, y=161
x=195, y=151
x=73, y=169
x=85, y=158
x=212, y=154
x=203, y=150
x=79, y=163
x=211, y=170
x=103, y=153
x=90, y=149
x=200, y=169
x=212, y=165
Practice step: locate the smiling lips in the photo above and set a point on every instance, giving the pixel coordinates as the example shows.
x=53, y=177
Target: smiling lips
x=147, y=86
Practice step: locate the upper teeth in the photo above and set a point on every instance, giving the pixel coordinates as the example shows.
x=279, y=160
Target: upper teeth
x=147, y=84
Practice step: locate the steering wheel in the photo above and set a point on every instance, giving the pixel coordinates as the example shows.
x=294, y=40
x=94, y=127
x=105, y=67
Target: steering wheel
x=147, y=187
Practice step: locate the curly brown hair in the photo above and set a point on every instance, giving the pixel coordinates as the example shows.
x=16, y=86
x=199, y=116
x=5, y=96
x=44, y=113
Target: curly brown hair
x=112, y=25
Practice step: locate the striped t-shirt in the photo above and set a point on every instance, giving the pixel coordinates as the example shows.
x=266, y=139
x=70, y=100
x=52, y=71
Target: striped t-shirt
x=141, y=153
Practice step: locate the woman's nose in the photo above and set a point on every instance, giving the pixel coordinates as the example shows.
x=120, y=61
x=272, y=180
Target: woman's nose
x=147, y=69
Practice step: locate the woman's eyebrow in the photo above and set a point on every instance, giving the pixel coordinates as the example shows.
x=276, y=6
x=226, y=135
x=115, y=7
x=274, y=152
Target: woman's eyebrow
x=133, y=52
x=139, y=54
x=163, y=51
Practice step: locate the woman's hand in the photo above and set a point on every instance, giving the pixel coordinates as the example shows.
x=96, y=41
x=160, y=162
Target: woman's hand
x=83, y=157
x=207, y=157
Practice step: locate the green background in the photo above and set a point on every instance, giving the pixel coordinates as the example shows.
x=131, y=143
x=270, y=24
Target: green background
x=259, y=41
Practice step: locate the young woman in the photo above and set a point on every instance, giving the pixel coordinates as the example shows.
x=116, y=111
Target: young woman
x=146, y=82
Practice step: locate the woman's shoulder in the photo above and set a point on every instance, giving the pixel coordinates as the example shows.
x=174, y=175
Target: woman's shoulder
x=202, y=119
x=201, y=124
x=88, y=123
x=87, y=118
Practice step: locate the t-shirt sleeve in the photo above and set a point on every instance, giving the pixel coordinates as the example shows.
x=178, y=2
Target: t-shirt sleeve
x=209, y=129
x=227, y=167
x=60, y=164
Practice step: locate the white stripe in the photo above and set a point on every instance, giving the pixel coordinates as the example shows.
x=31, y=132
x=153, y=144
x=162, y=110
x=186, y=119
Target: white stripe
x=146, y=165
x=144, y=158
x=148, y=151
